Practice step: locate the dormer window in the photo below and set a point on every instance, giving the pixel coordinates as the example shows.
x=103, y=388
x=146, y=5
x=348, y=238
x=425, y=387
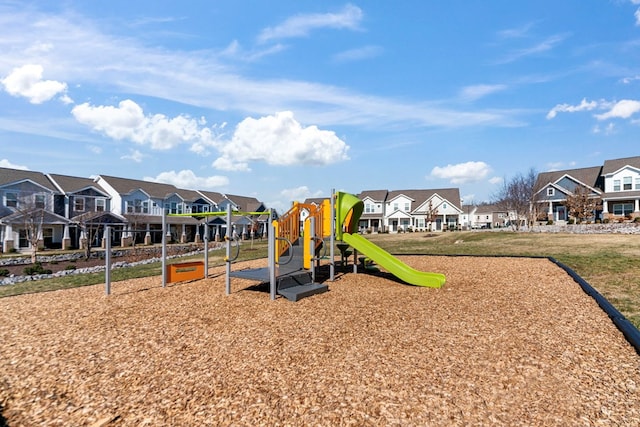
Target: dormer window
x=551, y=191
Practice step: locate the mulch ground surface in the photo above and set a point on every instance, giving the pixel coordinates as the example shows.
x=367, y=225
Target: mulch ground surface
x=504, y=342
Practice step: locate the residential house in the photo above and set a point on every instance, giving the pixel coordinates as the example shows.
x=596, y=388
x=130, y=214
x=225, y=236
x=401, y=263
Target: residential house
x=372, y=218
x=247, y=225
x=27, y=208
x=616, y=184
x=490, y=216
x=410, y=210
x=553, y=188
x=87, y=205
x=142, y=204
x=621, y=196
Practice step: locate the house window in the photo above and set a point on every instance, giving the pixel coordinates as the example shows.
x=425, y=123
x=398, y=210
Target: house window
x=444, y=206
x=100, y=205
x=626, y=183
x=11, y=200
x=368, y=208
x=551, y=191
x=616, y=185
x=637, y=184
x=622, y=209
x=145, y=207
x=78, y=204
x=395, y=207
x=39, y=201
x=407, y=207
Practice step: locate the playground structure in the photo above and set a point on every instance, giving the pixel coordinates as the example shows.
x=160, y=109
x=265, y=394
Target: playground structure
x=298, y=241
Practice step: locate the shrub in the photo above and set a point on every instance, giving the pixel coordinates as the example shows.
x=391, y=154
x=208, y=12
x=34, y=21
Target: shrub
x=36, y=269
x=571, y=221
x=636, y=219
x=550, y=222
x=70, y=267
x=4, y=272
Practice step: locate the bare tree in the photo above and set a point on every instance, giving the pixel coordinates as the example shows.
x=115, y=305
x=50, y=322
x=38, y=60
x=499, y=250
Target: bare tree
x=431, y=215
x=89, y=229
x=33, y=220
x=582, y=204
x=516, y=197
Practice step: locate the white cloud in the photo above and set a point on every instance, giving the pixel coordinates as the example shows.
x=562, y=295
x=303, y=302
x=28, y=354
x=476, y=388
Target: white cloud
x=299, y=193
x=301, y=25
x=637, y=16
x=621, y=109
x=358, y=54
x=83, y=54
x=462, y=172
x=471, y=93
x=609, y=129
x=134, y=155
x=496, y=180
x=543, y=46
x=187, y=179
x=279, y=140
x=26, y=81
x=127, y=121
x=567, y=108
x=4, y=163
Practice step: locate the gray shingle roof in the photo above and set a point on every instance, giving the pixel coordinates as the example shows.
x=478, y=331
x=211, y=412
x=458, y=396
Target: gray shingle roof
x=611, y=166
x=9, y=176
x=73, y=184
x=588, y=176
x=153, y=189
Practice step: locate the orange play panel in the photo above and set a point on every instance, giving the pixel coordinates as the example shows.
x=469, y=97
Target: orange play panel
x=184, y=271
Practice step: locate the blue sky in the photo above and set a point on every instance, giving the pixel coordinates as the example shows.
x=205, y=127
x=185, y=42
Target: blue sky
x=284, y=100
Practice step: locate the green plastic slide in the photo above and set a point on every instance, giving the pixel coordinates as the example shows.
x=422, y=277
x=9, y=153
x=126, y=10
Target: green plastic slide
x=392, y=264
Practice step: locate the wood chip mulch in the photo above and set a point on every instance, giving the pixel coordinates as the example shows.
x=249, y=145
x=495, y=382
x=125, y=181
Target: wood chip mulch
x=504, y=342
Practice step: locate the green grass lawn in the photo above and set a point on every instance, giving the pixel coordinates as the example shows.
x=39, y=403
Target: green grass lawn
x=609, y=262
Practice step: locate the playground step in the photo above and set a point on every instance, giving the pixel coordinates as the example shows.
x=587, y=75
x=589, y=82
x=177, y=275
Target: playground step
x=297, y=285
x=258, y=274
x=296, y=293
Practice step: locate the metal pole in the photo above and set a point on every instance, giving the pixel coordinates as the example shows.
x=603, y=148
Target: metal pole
x=164, y=247
x=107, y=260
x=206, y=250
x=332, y=240
x=228, y=238
x=272, y=255
x=312, y=244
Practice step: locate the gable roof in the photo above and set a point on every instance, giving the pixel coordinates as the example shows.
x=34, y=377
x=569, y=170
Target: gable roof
x=588, y=176
x=612, y=166
x=212, y=196
x=375, y=195
x=153, y=189
x=244, y=203
x=9, y=176
x=73, y=184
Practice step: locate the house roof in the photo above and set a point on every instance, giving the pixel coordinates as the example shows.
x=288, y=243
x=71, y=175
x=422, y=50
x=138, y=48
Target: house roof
x=419, y=197
x=588, y=176
x=153, y=189
x=189, y=195
x=212, y=196
x=488, y=209
x=9, y=176
x=612, y=166
x=72, y=184
x=315, y=200
x=376, y=195
x=244, y=203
